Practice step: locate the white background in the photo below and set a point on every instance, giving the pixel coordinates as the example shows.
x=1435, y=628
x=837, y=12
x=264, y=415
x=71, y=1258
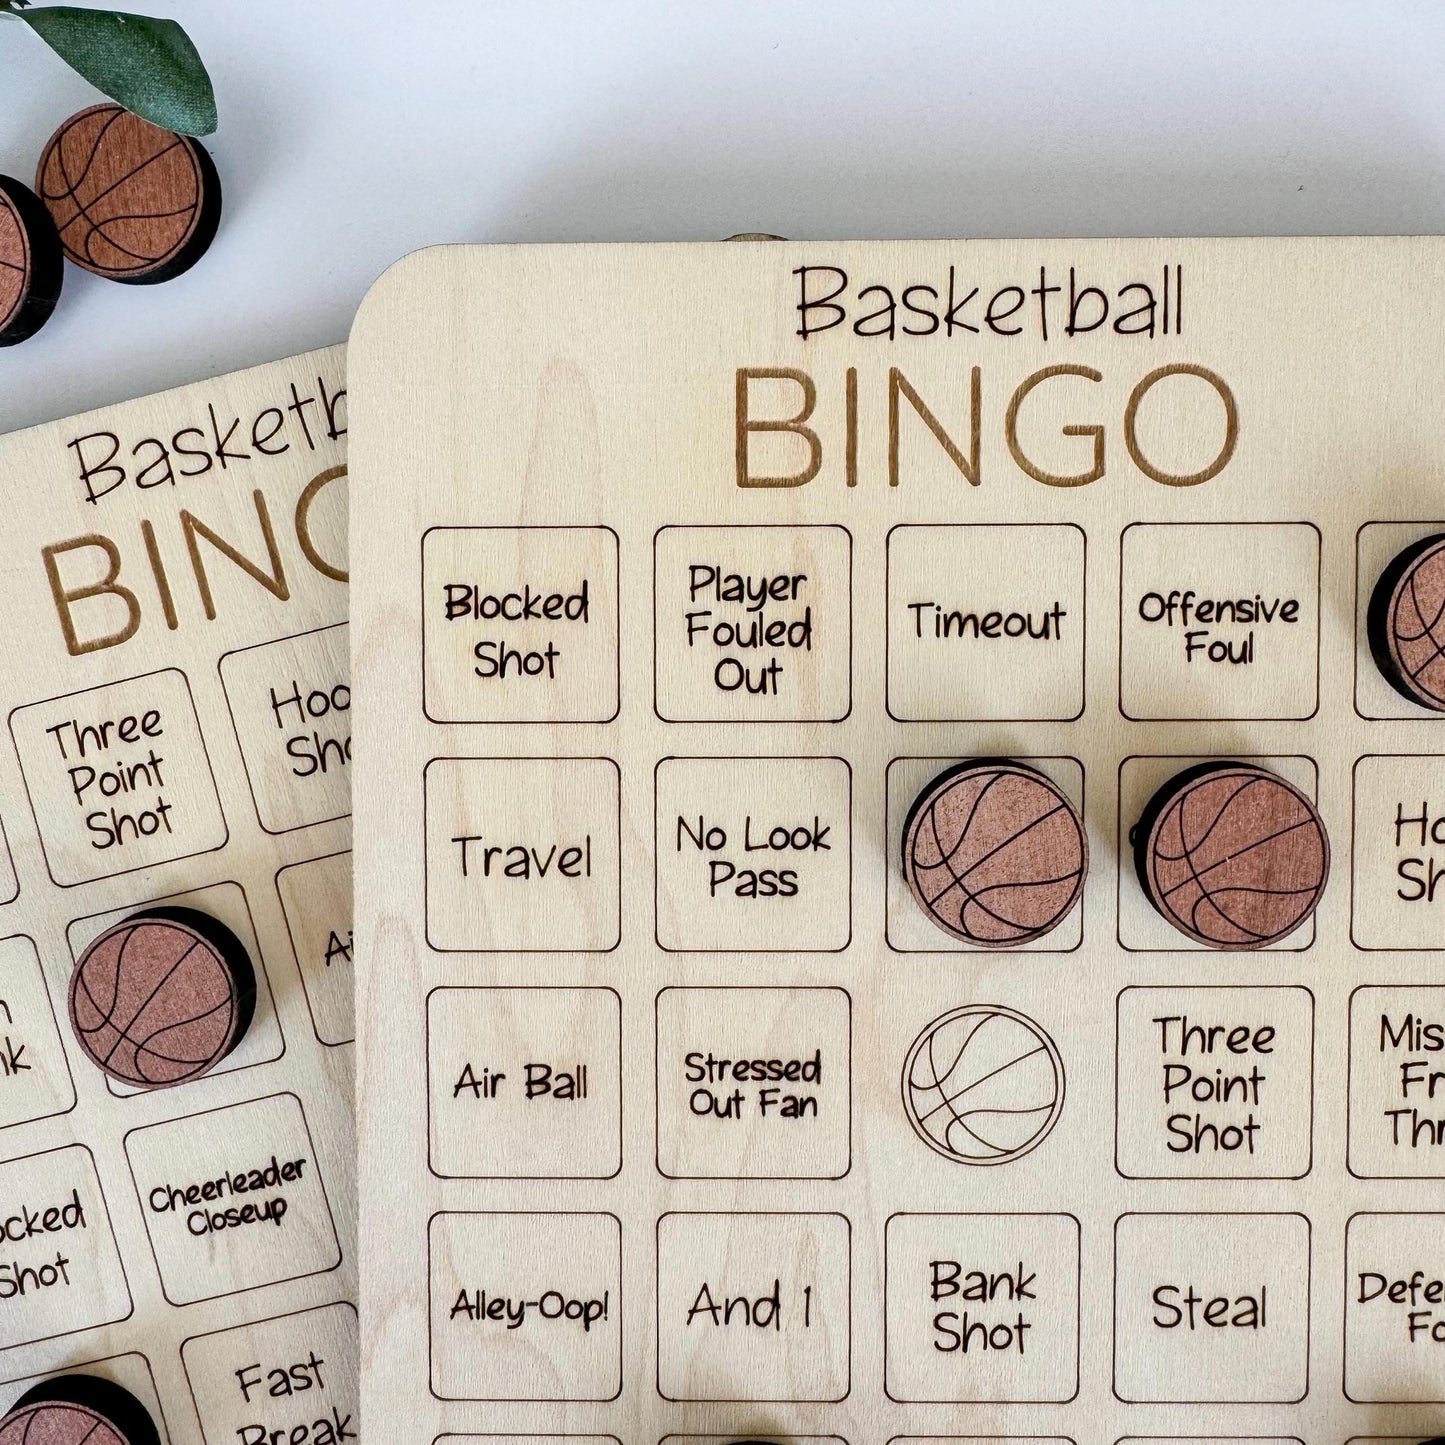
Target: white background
x=353, y=131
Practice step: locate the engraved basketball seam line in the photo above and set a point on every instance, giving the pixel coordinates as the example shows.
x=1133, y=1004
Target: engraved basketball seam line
x=225, y=1003
x=954, y=1152
x=40, y=1409
x=146, y=1048
x=1425, y=686
x=1208, y=896
x=995, y=1109
x=1177, y=811
x=148, y=1044
x=98, y=231
x=1244, y=781
x=1232, y=922
x=943, y=852
x=98, y=228
x=1186, y=858
x=977, y=1021
x=1005, y=1152
x=961, y=1120
x=144, y=1054
x=1248, y=932
x=15, y=239
x=74, y=186
x=957, y=882
x=950, y=1099
x=1194, y=796
x=1192, y=922
x=83, y=982
x=976, y=897
x=952, y=1064
x=1020, y=928
x=1428, y=627
x=946, y=860
x=1262, y=892
x=994, y=1150
x=938, y=1078
x=142, y=262
x=1198, y=875
x=1436, y=649
x=142, y=216
x=1414, y=674
x=57, y=149
x=946, y=855
x=107, y=1010
x=124, y=1034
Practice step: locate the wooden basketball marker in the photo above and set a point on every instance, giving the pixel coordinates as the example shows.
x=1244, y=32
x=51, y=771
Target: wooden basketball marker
x=1407, y=623
x=130, y=201
x=1232, y=855
x=78, y=1410
x=994, y=853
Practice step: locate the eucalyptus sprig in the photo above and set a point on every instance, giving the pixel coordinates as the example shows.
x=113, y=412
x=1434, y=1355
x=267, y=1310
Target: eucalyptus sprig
x=149, y=66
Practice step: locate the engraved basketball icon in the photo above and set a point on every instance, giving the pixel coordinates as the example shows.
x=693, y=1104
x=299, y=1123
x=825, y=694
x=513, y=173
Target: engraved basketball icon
x=162, y=997
x=994, y=853
x=1406, y=623
x=132, y=202
x=1232, y=855
x=983, y=1085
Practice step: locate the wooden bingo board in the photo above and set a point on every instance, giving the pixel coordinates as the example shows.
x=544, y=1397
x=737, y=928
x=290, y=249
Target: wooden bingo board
x=687, y=1111
x=174, y=679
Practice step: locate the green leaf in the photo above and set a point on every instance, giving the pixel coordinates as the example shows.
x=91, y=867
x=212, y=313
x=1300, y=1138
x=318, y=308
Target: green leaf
x=149, y=66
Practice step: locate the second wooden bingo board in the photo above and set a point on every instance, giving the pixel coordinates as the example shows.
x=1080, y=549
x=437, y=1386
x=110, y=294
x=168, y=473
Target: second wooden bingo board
x=177, y=1187
x=901, y=878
